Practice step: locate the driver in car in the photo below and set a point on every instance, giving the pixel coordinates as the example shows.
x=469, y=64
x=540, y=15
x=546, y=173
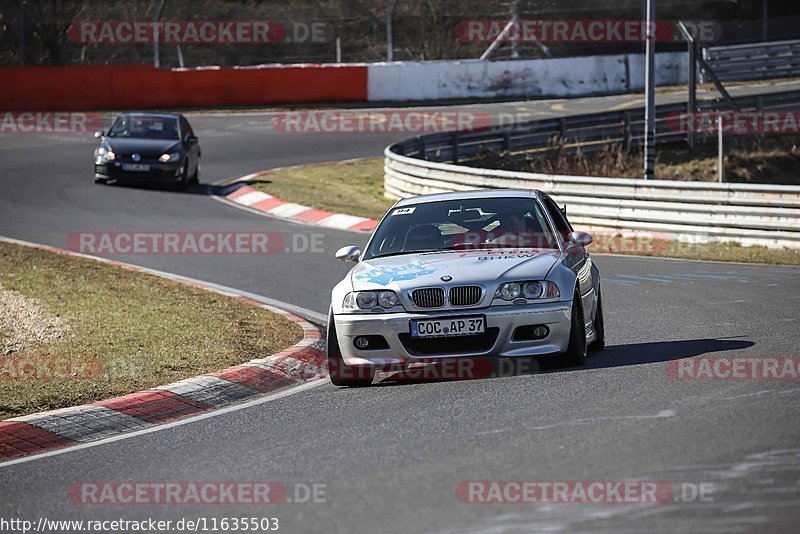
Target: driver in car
x=512, y=232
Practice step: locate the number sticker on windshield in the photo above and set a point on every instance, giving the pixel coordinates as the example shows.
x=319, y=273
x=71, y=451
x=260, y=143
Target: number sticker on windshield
x=403, y=211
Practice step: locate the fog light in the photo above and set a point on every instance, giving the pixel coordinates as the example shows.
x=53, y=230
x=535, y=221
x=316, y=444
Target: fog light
x=361, y=342
x=531, y=332
x=540, y=332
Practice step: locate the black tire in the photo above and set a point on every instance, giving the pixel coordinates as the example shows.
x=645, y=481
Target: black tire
x=184, y=181
x=575, y=356
x=340, y=373
x=196, y=176
x=599, y=327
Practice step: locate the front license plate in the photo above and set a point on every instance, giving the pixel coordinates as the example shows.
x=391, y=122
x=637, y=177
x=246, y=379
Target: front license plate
x=449, y=327
x=135, y=167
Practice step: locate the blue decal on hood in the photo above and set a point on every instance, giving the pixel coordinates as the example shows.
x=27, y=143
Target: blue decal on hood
x=386, y=274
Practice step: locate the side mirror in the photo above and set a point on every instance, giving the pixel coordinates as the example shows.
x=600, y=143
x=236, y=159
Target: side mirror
x=192, y=139
x=577, y=240
x=99, y=133
x=351, y=254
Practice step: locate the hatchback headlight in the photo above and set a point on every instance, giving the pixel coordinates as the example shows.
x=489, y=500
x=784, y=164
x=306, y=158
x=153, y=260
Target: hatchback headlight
x=531, y=290
x=106, y=154
x=166, y=158
x=369, y=300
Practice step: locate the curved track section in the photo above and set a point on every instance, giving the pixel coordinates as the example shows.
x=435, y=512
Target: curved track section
x=392, y=456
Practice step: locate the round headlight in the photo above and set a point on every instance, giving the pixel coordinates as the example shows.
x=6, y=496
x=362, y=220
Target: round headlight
x=510, y=291
x=367, y=300
x=387, y=299
x=532, y=290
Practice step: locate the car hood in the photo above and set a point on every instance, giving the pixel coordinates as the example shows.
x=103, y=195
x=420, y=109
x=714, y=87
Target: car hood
x=147, y=148
x=400, y=273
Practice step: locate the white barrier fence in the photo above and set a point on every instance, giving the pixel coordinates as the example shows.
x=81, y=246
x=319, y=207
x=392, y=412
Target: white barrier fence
x=696, y=212
x=554, y=77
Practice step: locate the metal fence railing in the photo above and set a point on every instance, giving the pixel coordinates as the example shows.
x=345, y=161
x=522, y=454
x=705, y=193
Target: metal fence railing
x=757, y=61
x=584, y=132
x=697, y=212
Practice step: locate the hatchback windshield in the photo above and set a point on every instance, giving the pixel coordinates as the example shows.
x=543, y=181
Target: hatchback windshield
x=145, y=127
x=463, y=224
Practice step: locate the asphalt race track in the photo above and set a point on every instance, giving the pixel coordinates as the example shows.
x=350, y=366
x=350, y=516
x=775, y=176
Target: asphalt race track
x=391, y=456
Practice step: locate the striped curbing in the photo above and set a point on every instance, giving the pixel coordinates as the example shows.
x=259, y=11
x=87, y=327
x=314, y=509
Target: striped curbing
x=243, y=195
x=41, y=432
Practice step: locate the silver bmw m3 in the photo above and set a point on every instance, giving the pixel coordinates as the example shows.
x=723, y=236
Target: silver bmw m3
x=479, y=274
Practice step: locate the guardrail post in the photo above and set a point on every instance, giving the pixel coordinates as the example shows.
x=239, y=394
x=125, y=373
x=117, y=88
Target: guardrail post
x=720, y=150
x=691, y=106
x=157, y=36
x=650, y=96
x=626, y=133
x=421, y=147
x=454, y=143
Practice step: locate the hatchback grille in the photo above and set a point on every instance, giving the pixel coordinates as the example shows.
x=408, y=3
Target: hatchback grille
x=465, y=295
x=428, y=298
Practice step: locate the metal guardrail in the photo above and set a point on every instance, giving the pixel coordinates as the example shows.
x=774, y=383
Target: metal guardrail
x=584, y=132
x=757, y=61
x=750, y=214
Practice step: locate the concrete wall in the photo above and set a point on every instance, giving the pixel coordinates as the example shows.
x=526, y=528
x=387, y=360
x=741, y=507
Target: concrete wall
x=98, y=87
x=87, y=87
x=555, y=78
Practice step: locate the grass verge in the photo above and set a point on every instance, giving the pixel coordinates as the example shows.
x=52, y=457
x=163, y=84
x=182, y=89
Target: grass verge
x=140, y=330
x=725, y=252
x=356, y=188
x=748, y=159
x=353, y=187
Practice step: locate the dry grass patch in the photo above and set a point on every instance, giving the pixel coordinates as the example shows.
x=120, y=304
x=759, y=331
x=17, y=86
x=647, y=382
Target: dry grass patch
x=134, y=331
x=353, y=187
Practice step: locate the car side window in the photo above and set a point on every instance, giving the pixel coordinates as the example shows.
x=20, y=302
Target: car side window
x=562, y=225
x=186, y=128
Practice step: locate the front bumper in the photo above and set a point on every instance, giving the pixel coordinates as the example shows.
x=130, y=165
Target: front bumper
x=501, y=323
x=158, y=172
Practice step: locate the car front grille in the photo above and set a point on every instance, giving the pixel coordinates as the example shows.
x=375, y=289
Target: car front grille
x=465, y=295
x=428, y=298
x=450, y=346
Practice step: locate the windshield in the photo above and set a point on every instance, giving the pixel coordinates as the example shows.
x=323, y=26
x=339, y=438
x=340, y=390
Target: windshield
x=462, y=224
x=145, y=127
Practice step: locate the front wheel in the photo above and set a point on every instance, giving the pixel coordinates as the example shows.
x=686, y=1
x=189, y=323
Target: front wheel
x=575, y=355
x=183, y=183
x=196, y=176
x=340, y=373
x=599, y=342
